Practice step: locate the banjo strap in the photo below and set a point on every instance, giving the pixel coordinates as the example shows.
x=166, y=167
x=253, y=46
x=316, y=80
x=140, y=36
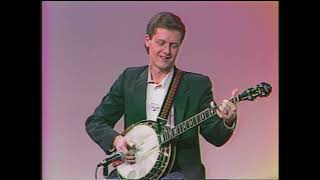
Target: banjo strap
x=168, y=100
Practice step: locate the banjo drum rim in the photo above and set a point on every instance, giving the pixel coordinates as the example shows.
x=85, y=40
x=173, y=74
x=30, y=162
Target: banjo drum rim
x=164, y=162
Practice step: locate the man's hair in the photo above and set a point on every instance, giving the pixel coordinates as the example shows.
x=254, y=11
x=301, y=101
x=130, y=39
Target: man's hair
x=165, y=20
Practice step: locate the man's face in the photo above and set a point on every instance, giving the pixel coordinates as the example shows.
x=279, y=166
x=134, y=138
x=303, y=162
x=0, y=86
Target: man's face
x=163, y=48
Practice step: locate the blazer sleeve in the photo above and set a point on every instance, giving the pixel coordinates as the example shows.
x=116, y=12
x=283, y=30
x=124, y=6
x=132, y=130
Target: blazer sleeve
x=99, y=125
x=213, y=129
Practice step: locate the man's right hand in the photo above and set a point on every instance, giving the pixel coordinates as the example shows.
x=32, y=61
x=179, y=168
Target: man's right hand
x=121, y=145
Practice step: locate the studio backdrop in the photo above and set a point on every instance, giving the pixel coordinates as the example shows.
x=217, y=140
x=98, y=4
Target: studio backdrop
x=86, y=45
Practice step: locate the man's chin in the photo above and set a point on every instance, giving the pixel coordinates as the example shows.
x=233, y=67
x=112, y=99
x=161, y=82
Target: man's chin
x=165, y=68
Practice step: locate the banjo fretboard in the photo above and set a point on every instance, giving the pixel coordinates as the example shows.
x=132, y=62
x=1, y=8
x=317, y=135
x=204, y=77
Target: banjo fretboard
x=167, y=135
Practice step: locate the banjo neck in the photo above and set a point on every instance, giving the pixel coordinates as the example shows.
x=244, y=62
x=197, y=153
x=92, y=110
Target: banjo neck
x=169, y=134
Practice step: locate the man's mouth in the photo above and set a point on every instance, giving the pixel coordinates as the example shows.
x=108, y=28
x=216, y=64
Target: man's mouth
x=166, y=58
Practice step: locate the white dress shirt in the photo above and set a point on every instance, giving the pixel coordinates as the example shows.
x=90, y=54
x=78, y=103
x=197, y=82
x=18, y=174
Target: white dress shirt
x=155, y=96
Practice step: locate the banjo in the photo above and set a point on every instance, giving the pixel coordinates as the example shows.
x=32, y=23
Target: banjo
x=153, y=149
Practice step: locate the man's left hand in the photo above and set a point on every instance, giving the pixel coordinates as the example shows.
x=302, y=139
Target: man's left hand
x=228, y=110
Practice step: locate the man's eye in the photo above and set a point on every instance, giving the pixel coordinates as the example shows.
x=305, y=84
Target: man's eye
x=160, y=42
x=175, y=46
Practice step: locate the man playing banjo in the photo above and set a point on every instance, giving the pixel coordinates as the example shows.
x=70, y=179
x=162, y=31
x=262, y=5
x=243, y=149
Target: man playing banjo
x=140, y=93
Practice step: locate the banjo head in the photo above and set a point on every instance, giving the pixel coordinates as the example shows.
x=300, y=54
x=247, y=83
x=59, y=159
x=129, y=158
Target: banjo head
x=145, y=138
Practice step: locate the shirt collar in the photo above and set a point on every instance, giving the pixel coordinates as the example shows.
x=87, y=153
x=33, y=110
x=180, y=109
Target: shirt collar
x=165, y=81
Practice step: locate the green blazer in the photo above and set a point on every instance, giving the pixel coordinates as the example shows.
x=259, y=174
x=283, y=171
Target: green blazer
x=127, y=97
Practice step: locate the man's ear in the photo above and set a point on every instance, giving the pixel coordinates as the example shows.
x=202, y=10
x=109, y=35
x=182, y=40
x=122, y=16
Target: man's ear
x=147, y=40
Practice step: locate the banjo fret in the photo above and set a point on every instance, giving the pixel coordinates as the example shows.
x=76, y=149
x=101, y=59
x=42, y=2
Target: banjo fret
x=169, y=134
x=190, y=121
x=179, y=127
x=175, y=132
x=184, y=126
x=207, y=114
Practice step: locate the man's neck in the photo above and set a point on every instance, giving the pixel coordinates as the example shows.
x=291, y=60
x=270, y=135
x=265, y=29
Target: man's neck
x=158, y=75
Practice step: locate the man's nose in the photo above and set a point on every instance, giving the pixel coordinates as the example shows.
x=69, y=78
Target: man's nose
x=167, y=49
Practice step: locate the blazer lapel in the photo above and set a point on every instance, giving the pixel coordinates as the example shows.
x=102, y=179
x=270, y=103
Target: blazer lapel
x=140, y=95
x=181, y=101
